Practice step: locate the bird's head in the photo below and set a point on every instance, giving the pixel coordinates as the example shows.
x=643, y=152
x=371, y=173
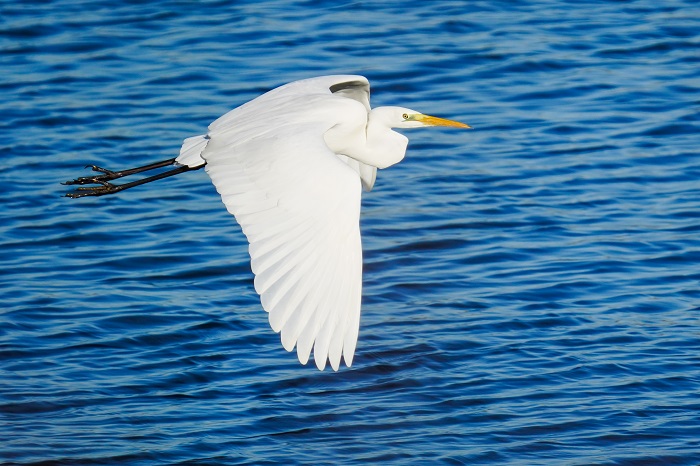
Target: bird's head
x=400, y=117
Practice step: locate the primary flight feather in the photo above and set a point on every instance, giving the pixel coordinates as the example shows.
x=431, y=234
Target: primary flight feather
x=290, y=165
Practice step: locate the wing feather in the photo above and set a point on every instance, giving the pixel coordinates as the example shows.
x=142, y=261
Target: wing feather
x=298, y=204
x=307, y=310
x=302, y=300
x=313, y=330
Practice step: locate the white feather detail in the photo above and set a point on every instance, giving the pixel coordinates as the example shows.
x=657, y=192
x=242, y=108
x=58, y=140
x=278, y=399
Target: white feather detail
x=298, y=204
x=191, y=151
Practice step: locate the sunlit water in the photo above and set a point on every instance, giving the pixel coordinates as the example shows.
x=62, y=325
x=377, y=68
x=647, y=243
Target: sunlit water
x=531, y=287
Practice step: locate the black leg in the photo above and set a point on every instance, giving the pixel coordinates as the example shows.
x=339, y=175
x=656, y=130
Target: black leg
x=108, y=175
x=109, y=188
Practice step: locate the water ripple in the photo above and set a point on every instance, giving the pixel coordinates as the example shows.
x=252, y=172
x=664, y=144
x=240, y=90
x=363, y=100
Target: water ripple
x=531, y=287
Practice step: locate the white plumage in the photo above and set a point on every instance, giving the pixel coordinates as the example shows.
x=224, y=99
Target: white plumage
x=290, y=165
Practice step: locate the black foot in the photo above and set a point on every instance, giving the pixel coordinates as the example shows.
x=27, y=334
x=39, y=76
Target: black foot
x=106, y=176
x=104, y=188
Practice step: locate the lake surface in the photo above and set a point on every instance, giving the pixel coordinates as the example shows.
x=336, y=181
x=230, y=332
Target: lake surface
x=531, y=287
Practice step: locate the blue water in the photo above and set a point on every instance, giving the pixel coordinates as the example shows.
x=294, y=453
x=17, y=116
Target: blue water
x=531, y=287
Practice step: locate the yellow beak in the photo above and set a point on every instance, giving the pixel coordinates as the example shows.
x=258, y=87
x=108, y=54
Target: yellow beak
x=435, y=121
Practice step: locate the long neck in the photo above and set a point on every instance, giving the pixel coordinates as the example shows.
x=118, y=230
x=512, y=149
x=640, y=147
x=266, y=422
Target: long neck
x=373, y=143
x=384, y=147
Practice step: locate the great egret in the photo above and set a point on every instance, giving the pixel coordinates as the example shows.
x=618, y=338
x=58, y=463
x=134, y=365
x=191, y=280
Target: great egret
x=290, y=166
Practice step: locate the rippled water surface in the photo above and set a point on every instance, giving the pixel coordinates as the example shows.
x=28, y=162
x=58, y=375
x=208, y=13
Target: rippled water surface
x=531, y=287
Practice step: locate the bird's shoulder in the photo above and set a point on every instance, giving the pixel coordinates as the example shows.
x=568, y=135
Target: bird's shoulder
x=323, y=98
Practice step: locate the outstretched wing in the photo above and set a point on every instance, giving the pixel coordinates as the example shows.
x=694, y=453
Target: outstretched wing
x=298, y=204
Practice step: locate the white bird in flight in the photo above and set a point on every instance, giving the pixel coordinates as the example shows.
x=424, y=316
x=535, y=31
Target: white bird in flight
x=290, y=165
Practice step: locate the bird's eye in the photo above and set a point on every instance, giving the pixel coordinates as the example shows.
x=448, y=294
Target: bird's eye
x=405, y=116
